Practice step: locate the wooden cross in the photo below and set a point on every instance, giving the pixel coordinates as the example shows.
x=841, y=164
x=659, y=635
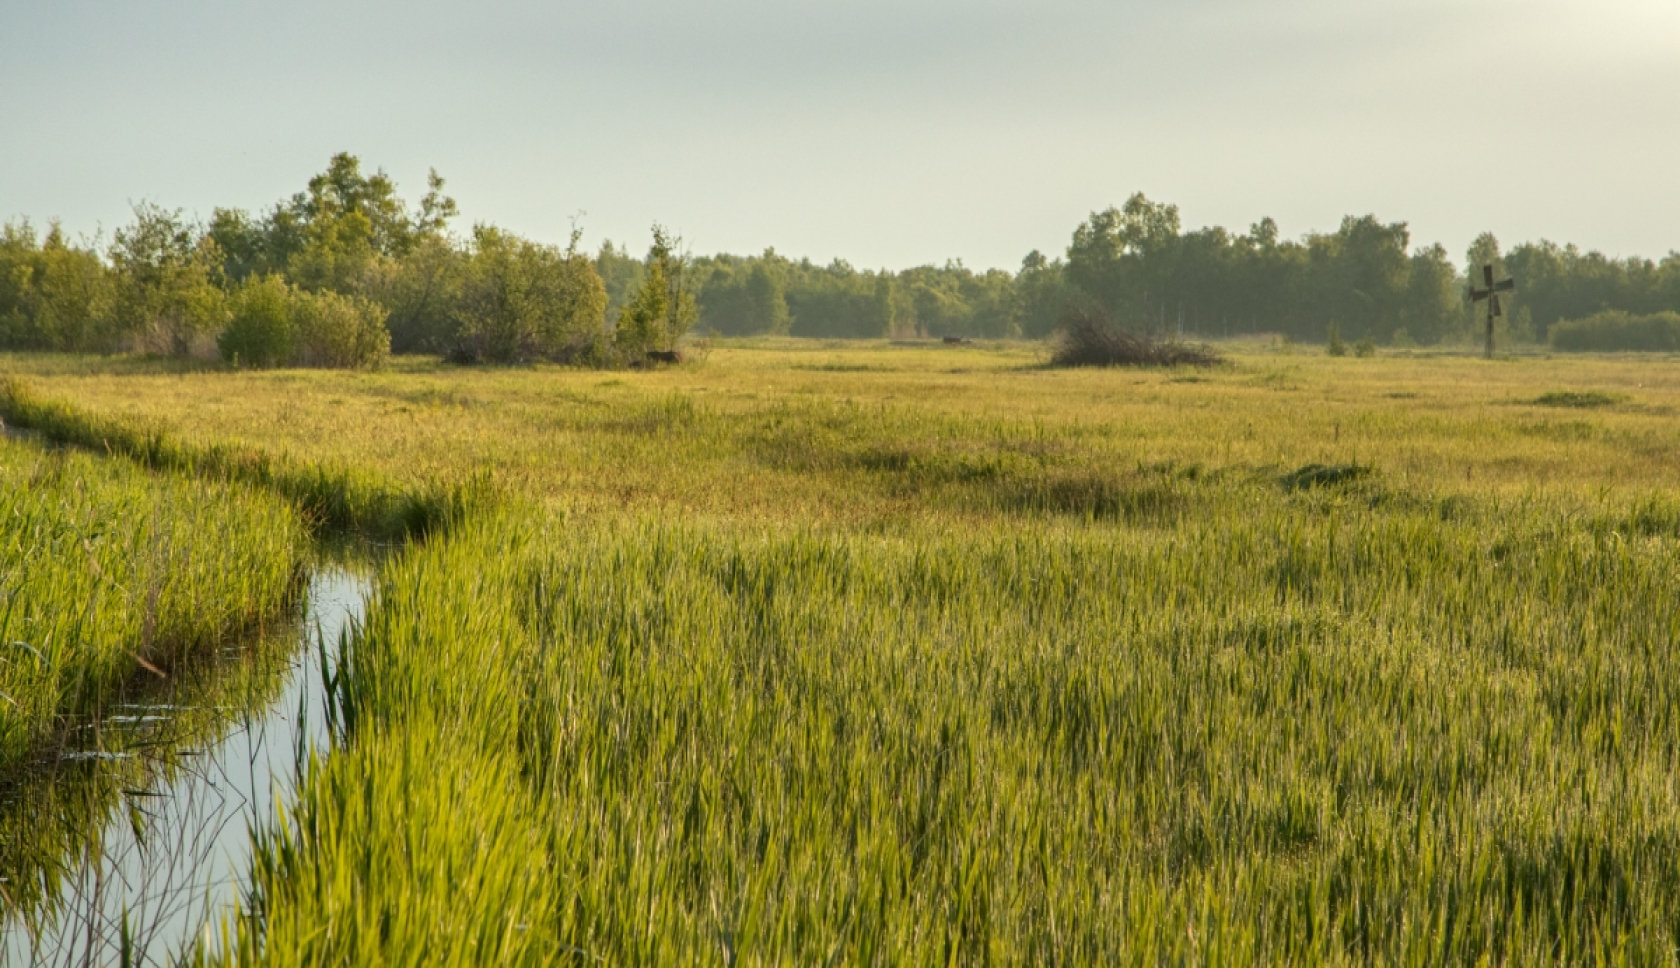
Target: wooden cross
x=1491, y=294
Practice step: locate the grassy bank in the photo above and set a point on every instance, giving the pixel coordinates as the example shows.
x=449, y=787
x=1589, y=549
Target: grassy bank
x=334, y=497
x=111, y=574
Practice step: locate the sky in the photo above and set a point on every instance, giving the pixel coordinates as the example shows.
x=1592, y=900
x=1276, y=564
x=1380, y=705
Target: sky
x=890, y=134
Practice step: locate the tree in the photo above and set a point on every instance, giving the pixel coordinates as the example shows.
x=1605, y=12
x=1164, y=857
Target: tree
x=423, y=296
x=1042, y=295
x=1362, y=277
x=1124, y=258
x=766, y=302
x=168, y=281
x=520, y=300
x=342, y=191
x=663, y=309
x=348, y=232
x=53, y=295
x=742, y=296
x=1432, y=302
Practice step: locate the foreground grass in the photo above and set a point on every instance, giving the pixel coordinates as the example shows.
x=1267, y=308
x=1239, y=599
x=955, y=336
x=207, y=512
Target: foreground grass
x=108, y=573
x=829, y=654
x=1294, y=730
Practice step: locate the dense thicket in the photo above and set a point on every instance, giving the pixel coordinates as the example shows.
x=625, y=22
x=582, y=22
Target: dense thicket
x=339, y=275
x=168, y=285
x=1613, y=330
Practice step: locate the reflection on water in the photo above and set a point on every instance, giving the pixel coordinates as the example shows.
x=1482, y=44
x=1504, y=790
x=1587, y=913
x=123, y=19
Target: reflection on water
x=171, y=856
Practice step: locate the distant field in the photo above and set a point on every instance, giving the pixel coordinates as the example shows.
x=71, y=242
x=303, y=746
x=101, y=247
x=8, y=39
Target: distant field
x=836, y=429
x=849, y=653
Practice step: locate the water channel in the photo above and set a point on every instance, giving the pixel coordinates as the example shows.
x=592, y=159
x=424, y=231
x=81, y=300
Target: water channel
x=156, y=800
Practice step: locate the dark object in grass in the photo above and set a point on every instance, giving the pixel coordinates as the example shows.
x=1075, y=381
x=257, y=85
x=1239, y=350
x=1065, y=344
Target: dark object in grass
x=664, y=356
x=956, y=341
x=1089, y=339
x=1574, y=398
x=1324, y=475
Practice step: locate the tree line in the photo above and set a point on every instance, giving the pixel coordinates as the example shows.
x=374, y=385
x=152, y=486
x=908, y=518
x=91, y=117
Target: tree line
x=1135, y=263
x=341, y=274
x=346, y=272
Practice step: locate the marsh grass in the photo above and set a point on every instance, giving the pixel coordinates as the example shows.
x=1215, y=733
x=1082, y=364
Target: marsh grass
x=106, y=762
x=1286, y=729
x=1578, y=399
x=108, y=574
x=340, y=498
x=756, y=666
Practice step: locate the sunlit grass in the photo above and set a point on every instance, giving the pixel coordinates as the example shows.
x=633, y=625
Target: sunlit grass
x=108, y=573
x=839, y=654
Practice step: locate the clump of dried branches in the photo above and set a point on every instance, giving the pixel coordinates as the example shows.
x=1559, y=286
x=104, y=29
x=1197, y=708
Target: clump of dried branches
x=1087, y=338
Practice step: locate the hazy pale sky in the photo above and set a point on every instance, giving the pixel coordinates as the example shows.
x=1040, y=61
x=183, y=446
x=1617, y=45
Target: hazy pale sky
x=890, y=134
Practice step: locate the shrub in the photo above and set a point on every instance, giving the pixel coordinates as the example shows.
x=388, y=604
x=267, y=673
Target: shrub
x=1336, y=347
x=275, y=324
x=1087, y=338
x=343, y=332
x=261, y=332
x=520, y=300
x=1365, y=348
x=1613, y=330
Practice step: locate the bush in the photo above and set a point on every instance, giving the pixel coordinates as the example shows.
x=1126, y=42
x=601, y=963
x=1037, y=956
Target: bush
x=1087, y=338
x=1336, y=347
x=275, y=324
x=520, y=300
x=1366, y=347
x=261, y=332
x=342, y=332
x=1613, y=330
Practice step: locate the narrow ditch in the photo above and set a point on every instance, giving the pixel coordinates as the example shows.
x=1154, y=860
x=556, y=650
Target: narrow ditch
x=163, y=852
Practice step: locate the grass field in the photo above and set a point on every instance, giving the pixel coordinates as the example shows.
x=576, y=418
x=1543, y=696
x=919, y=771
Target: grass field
x=869, y=654
x=117, y=588
x=111, y=574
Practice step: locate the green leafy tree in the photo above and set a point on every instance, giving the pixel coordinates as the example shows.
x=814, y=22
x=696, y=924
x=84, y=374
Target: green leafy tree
x=621, y=273
x=766, y=301
x=742, y=296
x=1042, y=295
x=168, y=281
x=663, y=308
x=1432, y=302
x=1125, y=258
x=53, y=295
x=342, y=191
x=423, y=296
x=520, y=300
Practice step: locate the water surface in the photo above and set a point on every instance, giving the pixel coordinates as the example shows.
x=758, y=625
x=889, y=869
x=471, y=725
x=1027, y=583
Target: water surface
x=171, y=857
